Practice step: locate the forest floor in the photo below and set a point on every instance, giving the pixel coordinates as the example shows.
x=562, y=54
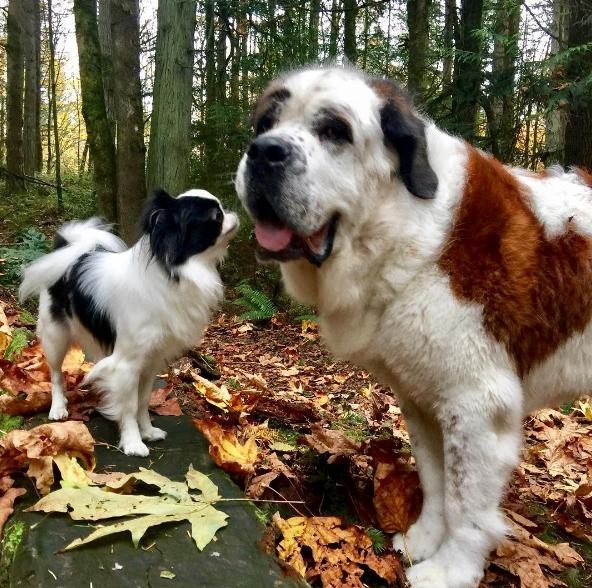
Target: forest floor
x=327, y=444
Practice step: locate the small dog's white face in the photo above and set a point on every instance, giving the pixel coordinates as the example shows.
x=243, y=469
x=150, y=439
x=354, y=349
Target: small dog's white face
x=326, y=140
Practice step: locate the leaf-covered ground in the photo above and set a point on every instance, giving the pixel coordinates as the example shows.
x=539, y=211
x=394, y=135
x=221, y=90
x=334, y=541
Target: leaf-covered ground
x=327, y=444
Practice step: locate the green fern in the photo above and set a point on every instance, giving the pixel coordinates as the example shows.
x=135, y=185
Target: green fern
x=378, y=540
x=258, y=306
x=31, y=245
x=20, y=339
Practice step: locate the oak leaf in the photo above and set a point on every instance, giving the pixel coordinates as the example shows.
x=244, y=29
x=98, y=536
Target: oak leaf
x=164, y=402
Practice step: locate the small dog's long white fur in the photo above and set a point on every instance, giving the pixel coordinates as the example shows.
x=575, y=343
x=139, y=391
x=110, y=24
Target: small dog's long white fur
x=155, y=318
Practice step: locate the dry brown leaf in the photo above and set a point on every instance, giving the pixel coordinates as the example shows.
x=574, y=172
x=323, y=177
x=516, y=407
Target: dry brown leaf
x=331, y=441
x=397, y=497
x=35, y=449
x=226, y=450
x=323, y=548
x=164, y=402
x=8, y=495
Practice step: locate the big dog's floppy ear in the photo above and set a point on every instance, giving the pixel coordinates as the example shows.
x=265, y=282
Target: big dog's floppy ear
x=405, y=133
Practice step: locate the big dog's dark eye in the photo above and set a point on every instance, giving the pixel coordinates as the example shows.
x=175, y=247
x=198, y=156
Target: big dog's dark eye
x=264, y=123
x=334, y=129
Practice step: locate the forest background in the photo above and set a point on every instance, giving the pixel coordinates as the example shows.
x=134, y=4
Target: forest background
x=102, y=100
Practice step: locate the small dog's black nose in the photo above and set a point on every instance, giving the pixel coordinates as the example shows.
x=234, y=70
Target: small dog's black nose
x=271, y=151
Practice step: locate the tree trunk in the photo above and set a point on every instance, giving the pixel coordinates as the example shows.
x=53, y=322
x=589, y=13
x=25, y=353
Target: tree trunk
x=578, y=133
x=418, y=12
x=52, y=83
x=102, y=150
x=14, y=95
x=104, y=24
x=466, y=93
x=350, y=48
x=503, y=72
x=208, y=134
x=127, y=94
x=32, y=56
x=450, y=17
x=334, y=32
x=313, y=30
x=170, y=137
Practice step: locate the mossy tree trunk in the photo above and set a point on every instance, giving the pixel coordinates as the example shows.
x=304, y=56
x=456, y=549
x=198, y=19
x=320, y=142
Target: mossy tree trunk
x=169, y=152
x=127, y=100
x=100, y=138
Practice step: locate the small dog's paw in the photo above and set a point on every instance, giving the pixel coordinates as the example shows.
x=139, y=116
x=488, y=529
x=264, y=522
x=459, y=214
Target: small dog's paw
x=154, y=434
x=58, y=413
x=135, y=447
x=421, y=541
x=427, y=575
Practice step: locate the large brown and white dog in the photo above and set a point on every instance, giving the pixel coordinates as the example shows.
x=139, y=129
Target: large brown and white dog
x=463, y=284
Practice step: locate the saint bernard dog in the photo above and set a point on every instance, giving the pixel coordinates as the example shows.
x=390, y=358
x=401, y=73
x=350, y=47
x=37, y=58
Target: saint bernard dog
x=463, y=284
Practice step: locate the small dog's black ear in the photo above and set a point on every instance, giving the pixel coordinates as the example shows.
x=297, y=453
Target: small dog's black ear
x=158, y=222
x=158, y=202
x=405, y=133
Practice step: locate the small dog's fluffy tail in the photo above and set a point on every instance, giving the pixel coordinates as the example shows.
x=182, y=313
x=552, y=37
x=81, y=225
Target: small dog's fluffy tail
x=73, y=240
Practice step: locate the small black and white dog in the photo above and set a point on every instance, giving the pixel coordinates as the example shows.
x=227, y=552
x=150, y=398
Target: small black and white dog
x=132, y=310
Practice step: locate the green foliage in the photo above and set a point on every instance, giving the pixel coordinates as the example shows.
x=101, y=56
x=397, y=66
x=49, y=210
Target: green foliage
x=378, y=540
x=20, y=339
x=13, y=535
x=259, y=307
x=9, y=422
x=32, y=243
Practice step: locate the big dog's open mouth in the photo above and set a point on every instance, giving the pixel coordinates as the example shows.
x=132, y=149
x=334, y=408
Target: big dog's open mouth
x=279, y=242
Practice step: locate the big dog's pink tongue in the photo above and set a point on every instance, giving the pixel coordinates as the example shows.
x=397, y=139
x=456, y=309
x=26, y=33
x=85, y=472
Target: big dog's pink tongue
x=272, y=237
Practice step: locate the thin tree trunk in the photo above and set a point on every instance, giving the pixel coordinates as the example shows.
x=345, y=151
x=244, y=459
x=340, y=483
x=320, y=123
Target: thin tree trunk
x=14, y=95
x=334, y=32
x=578, y=132
x=169, y=154
x=313, y=30
x=127, y=94
x=104, y=24
x=32, y=56
x=418, y=12
x=52, y=81
x=556, y=119
x=350, y=47
x=450, y=16
x=102, y=150
x=468, y=74
x=209, y=134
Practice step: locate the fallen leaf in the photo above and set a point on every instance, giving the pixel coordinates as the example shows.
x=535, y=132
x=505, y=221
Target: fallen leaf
x=36, y=449
x=216, y=396
x=325, y=549
x=174, y=503
x=8, y=495
x=397, y=497
x=5, y=331
x=164, y=402
x=226, y=450
x=331, y=441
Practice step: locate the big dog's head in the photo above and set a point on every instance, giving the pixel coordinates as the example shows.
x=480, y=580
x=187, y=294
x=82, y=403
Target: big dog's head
x=327, y=140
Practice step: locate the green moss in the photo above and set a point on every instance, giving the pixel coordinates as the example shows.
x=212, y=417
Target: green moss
x=13, y=535
x=354, y=425
x=8, y=423
x=20, y=339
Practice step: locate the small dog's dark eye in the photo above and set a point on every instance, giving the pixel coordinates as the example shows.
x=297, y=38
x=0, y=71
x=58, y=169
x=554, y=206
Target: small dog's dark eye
x=219, y=216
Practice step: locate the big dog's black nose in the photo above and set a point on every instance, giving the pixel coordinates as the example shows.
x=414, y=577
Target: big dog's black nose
x=269, y=152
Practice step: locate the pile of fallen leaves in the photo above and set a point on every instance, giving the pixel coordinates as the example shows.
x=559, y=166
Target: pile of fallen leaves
x=318, y=440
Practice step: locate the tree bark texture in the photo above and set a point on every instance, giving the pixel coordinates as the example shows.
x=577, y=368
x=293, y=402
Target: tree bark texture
x=467, y=69
x=578, y=132
x=101, y=146
x=104, y=23
x=170, y=132
x=350, y=13
x=418, y=12
x=127, y=93
x=14, y=94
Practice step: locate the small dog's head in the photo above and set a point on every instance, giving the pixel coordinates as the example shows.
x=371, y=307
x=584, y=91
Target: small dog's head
x=328, y=141
x=192, y=224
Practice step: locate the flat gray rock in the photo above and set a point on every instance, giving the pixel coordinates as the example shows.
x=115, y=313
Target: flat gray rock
x=233, y=560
